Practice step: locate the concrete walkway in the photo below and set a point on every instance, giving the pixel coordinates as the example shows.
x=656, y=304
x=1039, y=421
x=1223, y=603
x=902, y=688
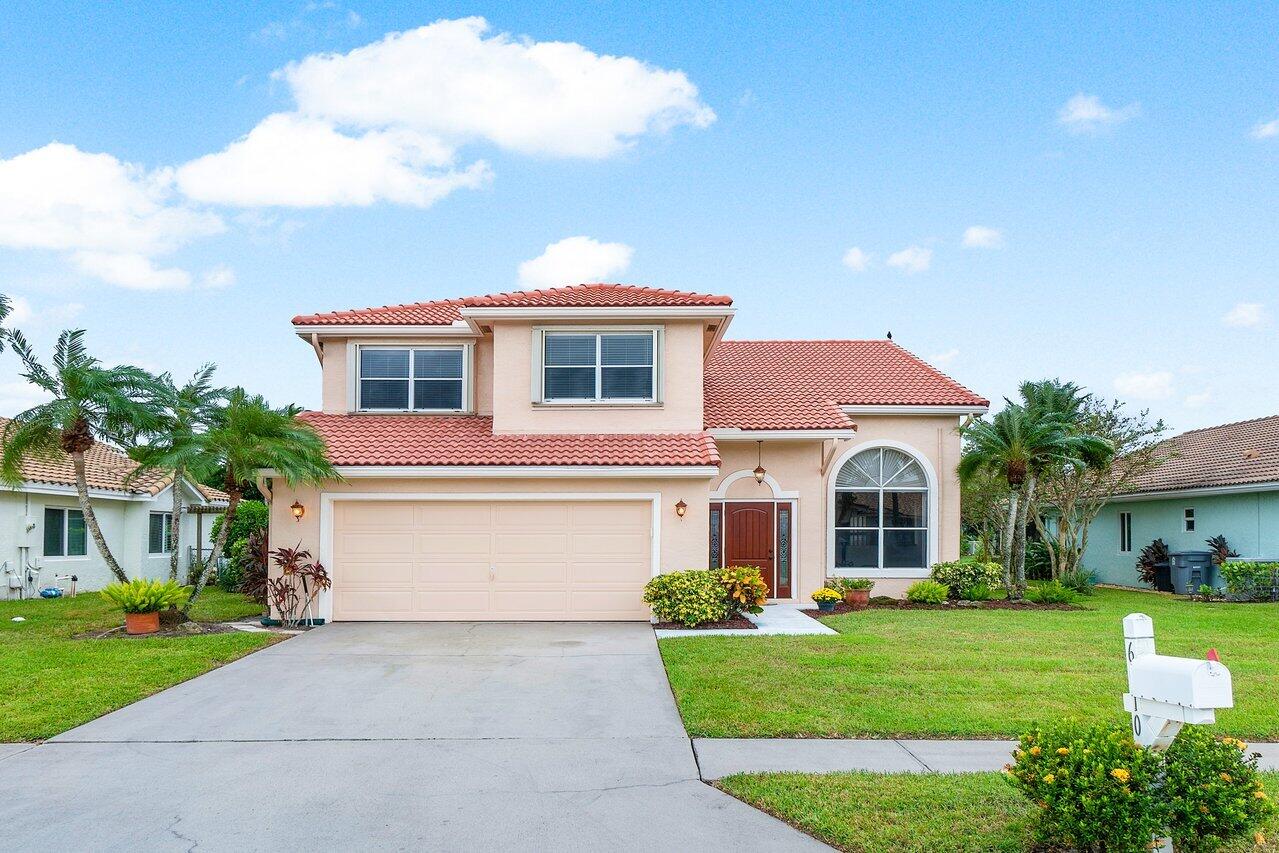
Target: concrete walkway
x=718, y=757
x=775, y=620
x=480, y=736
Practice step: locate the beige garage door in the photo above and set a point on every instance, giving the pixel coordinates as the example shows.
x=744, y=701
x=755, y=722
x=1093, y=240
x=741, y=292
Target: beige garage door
x=436, y=560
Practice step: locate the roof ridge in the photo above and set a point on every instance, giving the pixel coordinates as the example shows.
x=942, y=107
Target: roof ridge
x=807, y=341
x=1223, y=426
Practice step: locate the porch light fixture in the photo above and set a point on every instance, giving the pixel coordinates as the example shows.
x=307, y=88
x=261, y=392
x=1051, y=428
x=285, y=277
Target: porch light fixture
x=681, y=508
x=759, y=471
x=298, y=511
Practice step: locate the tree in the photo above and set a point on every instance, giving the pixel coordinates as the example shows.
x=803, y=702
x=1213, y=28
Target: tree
x=983, y=505
x=89, y=402
x=5, y=307
x=177, y=445
x=247, y=435
x=1074, y=495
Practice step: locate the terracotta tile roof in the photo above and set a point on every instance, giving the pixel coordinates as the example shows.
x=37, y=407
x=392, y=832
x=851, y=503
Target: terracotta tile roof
x=435, y=440
x=1227, y=455
x=445, y=311
x=105, y=468
x=802, y=384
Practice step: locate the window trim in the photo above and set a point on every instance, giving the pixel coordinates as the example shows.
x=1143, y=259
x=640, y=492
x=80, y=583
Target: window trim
x=1188, y=520
x=931, y=501
x=538, y=390
x=466, y=349
x=65, y=513
x=1125, y=532
x=166, y=535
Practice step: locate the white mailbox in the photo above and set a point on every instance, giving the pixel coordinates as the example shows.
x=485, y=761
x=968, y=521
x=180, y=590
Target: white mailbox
x=1166, y=692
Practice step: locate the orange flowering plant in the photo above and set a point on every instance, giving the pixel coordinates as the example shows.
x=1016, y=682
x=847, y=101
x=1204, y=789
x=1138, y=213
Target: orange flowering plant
x=745, y=588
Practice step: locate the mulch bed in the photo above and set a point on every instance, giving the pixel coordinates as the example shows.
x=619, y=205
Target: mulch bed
x=895, y=604
x=165, y=631
x=737, y=622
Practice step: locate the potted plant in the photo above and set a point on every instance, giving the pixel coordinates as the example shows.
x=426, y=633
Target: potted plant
x=142, y=599
x=856, y=591
x=826, y=599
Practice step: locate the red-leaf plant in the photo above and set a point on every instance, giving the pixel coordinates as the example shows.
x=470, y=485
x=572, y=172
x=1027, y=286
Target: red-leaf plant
x=299, y=582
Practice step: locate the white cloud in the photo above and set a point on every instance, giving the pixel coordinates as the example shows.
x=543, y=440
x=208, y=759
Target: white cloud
x=24, y=315
x=1195, y=401
x=912, y=259
x=575, y=260
x=130, y=270
x=314, y=19
x=1265, y=129
x=983, y=237
x=292, y=161
x=448, y=80
x=218, y=277
x=1245, y=314
x=856, y=260
x=942, y=359
x=1087, y=114
x=1145, y=386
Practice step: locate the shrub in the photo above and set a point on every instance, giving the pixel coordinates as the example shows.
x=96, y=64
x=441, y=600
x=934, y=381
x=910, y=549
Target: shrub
x=928, y=592
x=300, y=580
x=1214, y=794
x=690, y=597
x=963, y=574
x=1221, y=550
x=850, y=584
x=1251, y=580
x=827, y=594
x=143, y=595
x=250, y=517
x=1080, y=581
x=1039, y=564
x=253, y=567
x=231, y=575
x=978, y=592
x=1149, y=558
x=744, y=588
x=1051, y=592
x=1094, y=786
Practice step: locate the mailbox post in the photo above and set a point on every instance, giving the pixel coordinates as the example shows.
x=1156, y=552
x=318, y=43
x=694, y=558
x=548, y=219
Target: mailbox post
x=1165, y=693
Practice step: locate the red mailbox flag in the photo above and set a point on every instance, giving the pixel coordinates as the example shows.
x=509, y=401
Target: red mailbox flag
x=1212, y=655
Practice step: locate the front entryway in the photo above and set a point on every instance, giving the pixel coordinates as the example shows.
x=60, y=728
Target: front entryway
x=755, y=533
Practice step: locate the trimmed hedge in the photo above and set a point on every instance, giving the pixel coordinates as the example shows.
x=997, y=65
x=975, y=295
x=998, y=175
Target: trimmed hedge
x=1252, y=581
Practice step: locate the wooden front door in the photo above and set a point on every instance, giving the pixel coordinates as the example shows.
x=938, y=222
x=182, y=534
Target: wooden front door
x=749, y=539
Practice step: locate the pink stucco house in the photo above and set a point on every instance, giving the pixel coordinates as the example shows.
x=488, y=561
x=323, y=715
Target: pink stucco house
x=542, y=454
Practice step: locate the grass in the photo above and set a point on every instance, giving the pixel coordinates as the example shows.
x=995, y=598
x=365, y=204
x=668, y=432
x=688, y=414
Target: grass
x=964, y=673
x=871, y=812
x=51, y=682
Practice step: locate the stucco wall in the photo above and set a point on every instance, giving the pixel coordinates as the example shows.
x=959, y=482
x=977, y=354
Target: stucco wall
x=1250, y=523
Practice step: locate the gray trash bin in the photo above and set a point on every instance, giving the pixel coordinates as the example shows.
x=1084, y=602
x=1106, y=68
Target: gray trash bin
x=1191, y=570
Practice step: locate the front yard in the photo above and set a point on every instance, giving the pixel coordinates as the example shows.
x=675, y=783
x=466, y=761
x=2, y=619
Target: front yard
x=50, y=681
x=964, y=673
x=871, y=812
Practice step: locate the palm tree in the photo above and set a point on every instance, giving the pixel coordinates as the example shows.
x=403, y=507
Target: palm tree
x=5, y=308
x=248, y=435
x=1018, y=443
x=178, y=445
x=89, y=402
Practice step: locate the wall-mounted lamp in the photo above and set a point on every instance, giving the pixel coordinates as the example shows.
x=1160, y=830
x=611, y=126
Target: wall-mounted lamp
x=681, y=508
x=298, y=511
x=759, y=471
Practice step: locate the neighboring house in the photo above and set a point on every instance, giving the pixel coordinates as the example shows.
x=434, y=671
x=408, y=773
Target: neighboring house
x=1219, y=480
x=41, y=524
x=542, y=454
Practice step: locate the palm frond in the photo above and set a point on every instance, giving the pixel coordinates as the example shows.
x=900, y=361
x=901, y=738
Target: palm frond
x=35, y=373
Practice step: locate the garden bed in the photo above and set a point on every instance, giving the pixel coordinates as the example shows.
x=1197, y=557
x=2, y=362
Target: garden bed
x=902, y=604
x=736, y=623
x=186, y=629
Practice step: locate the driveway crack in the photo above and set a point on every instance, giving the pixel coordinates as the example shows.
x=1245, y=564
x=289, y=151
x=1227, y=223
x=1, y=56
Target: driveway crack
x=922, y=763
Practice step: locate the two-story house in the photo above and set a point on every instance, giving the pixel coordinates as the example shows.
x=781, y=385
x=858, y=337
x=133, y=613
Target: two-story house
x=542, y=454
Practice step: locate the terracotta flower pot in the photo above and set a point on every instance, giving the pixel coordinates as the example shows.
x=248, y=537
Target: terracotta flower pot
x=142, y=623
x=857, y=598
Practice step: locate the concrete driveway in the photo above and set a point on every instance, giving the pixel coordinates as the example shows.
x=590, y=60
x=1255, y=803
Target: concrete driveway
x=480, y=736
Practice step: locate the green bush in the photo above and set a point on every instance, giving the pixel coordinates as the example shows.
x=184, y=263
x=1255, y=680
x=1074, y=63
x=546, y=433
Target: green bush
x=231, y=575
x=1039, y=565
x=968, y=572
x=978, y=592
x=850, y=584
x=744, y=587
x=1094, y=786
x=690, y=597
x=1051, y=592
x=250, y=517
x=1252, y=580
x=1080, y=581
x=143, y=595
x=928, y=592
x=1214, y=794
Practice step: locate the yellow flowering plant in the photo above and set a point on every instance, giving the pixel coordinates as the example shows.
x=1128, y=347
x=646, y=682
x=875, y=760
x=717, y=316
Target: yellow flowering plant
x=1213, y=790
x=745, y=588
x=827, y=594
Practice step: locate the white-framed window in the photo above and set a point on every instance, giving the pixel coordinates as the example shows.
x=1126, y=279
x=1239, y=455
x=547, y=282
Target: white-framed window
x=159, y=529
x=598, y=366
x=64, y=533
x=412, y=379
x=1125, y=533
x=1188, y=520
x=881, y=511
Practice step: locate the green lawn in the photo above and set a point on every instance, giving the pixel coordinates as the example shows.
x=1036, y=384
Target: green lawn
x=872, y=812
x=964, y=673
x=50, y=682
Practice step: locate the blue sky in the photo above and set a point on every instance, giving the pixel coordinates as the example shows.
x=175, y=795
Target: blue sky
x=1084, y=192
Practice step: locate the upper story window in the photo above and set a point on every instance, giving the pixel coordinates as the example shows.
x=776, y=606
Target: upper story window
x=412, y=379
x=64, y=533
x=597, y=367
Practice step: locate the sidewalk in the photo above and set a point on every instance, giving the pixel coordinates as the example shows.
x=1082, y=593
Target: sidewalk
x=720, y=757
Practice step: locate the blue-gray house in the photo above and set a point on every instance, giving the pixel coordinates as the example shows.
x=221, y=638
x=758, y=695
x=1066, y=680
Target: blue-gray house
x=1222, y=480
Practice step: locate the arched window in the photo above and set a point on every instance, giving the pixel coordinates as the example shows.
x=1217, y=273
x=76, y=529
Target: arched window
x=881, y=511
